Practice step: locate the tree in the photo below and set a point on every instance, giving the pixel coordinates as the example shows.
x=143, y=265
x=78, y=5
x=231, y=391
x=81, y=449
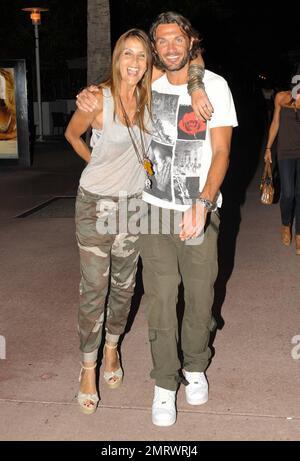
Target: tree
x=99, y=43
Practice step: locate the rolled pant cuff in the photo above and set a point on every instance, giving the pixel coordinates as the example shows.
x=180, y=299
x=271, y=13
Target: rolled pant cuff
x=112, y=338
x=90, y=356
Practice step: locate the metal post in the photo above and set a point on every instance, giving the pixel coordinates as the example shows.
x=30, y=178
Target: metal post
x=38, y=82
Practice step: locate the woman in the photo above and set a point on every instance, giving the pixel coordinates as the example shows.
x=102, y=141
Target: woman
x=120, y=140
x=286, y=124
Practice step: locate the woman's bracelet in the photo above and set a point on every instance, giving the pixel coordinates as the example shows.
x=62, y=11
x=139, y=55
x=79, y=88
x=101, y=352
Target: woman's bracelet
x=195, y=74
x=268, y=148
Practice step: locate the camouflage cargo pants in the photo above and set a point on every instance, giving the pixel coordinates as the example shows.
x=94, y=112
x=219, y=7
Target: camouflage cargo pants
x=107, y=261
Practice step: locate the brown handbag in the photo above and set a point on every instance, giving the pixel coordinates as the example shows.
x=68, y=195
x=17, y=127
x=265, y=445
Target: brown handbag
x=267, y=186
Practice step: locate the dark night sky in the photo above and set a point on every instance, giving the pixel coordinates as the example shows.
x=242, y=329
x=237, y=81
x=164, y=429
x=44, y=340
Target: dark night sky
x=237, y=36
x=241, y=39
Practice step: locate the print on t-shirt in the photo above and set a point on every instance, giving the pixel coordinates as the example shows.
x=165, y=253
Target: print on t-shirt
x=186, y=170
x=161, y=159
x=164, y=111
x=189, y=127
x=176, y=150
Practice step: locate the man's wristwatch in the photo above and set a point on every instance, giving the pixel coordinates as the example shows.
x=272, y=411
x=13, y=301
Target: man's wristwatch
x=210, y=206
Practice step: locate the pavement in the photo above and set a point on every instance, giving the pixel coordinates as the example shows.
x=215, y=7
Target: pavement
x=254, y=373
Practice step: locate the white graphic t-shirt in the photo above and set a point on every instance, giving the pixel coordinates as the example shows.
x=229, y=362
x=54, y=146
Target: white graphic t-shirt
x=180, y=150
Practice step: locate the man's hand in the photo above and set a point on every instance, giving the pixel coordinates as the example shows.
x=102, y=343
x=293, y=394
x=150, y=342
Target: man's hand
x=193, y=222
x=201, y=105
x=86, y=100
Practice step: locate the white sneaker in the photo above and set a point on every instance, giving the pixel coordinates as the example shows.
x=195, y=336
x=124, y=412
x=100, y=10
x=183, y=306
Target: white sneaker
x=163, y=407
x=196, y=392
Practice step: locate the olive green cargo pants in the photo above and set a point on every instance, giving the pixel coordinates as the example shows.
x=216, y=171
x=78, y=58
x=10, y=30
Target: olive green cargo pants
x=166, y=261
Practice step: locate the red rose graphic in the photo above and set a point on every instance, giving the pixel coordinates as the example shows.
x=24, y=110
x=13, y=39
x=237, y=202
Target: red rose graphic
x=189, y=124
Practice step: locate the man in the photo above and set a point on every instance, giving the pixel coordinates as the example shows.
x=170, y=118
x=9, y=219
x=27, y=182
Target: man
x=167, y=258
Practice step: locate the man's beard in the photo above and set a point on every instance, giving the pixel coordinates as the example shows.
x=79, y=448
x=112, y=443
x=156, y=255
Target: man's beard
x=180, y=66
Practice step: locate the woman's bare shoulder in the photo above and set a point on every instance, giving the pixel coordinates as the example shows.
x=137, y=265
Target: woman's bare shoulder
x=283, y=97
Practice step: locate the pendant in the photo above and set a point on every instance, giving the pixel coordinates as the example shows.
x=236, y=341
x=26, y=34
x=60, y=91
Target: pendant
x=148, y=183
x=148, y=166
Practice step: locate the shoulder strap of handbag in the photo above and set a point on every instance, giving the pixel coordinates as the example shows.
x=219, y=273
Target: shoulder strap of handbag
x=267, y=171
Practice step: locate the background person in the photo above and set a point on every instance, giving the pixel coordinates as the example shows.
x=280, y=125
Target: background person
x=286, y=125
